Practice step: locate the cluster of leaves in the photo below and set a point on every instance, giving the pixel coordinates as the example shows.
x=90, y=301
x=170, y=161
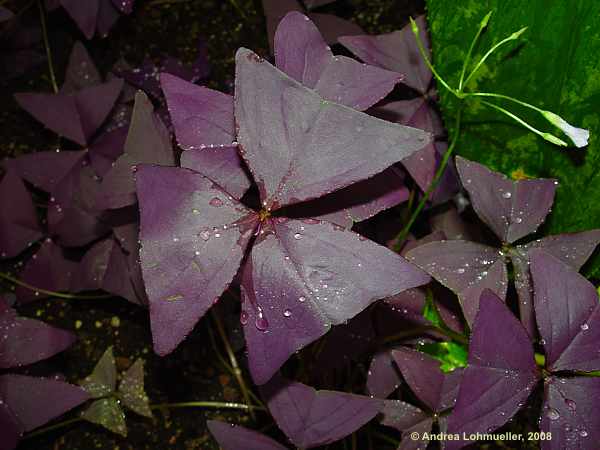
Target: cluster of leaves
x=270, y=193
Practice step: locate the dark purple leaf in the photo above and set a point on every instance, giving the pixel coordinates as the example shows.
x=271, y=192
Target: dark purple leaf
x=433, y=387
x=301, y=53
x=395, y=51
x=316, y=3
x=19, y=226
x=84, y=14
x=10, y=428
x=285, y=127
x=76, y=116
x=332, y=27
x=464, y=267
x=570, y=413
x=24, y=395
x=50, y=268
x=449, y=222
x=81, y=71
x=304, y=276
x=202, y=117
x=512, y=209
x=382, y=377
x=107, y=17
x=191, y=247
x=567, y=313
x=236, y=437
x=25, y=341
x=131, y=390
x=125, y=6
x=148, y=142
x=417, y=112
x=223, y=165
x=105, y=150
x=407, y=419
x=501, y=372
x=311, y=418
x=359, y=201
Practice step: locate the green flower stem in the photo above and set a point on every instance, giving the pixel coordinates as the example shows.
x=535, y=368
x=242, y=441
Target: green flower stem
x=504, y=97
x=239, y=9
x=13, y=280
x=547, y=136
x=198, y=404
x=237, y=372
x=399, y=241
x=482, y=26
x=415, y=30
x=510, y=38
x=47, y=47
x=540, y=360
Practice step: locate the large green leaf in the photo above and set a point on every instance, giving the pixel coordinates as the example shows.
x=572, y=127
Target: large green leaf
x=556, y=67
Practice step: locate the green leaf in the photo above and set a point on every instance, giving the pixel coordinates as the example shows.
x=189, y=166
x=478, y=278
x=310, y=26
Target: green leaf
x=450, y=354
x=555, y=66
x=131, y=390
x=106, y=412
x=102, y=381
x=431, y=312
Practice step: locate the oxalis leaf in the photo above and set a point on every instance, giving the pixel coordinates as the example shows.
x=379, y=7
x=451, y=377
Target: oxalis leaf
x=556, y=69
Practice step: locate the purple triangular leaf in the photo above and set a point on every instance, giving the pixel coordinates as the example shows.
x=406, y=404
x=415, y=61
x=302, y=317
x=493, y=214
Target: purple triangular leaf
x=95, y=103
x=19, y=226
x=105, y=150
x=84, y=14
x=91, y=270
x=24, y=395
x=148, y=142
x=221, y=164
x=81, y=71
x=293, y=293
x=501, y=372
x=438, y=390
x=359, y=201
x=201, y=116
x=191, y=247
x=408, y=419
x=50, y=268
x=25, y=341
x=512, y=209
x=284, y=128
x=395, y=51
x=466, y=268
x=567, y=313
x=570, y=413
x=311, y=418
x=382, y=376
x=10, y=428
x=107, y=17
x=301, y=52
x=274, y=11
x=332, y=27
x=236, y=437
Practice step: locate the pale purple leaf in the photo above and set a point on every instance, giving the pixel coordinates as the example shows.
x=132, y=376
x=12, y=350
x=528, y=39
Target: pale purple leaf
x=301, y=52
x=191, y=247
x=223, y=165
x=25, y=341
x=311, y=418
x=202, y=117
x=570, y=413
x=512, y=209
x=19, y=226
x=304, y=276
x=466, y=268
x=275, y=10
x=567, y=312
x=438, y=390
x=300, y=146
x=24, y=395
x=382, y=377
x=236, y=437
x=500, y=375
x=148, y=142
x=396, y=51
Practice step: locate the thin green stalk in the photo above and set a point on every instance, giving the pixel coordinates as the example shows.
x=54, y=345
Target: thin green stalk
x=482, y=26
x=399, y=241
x=415, y=30
x=237, y=372
x=547, y=136
x=13, y=280
x=56, y=426
x=510, y=38
x=386, y=438
x=47, y=46
x=504, y=97
x=239, y=9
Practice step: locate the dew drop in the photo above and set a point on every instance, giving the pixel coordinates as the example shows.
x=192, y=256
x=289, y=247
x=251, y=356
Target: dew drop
x=583, y=433
x=261, y=322
x=297, y=236
x=584, y=327
x=571, y=404
x=553, y=414
x=204, y=235
x=518, y=220
x=216, y=201
x=195, y=211
x=287, y=313
x=301, y=299
x=244, y=317
x=506, y=195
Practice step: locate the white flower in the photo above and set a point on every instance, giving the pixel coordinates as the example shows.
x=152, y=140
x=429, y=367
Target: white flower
x=579, y=136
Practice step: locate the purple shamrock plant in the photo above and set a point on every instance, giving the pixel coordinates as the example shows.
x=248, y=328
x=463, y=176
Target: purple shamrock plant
x=26, y=341
x=502, y=369
x=301, y=276
x=512, y=209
